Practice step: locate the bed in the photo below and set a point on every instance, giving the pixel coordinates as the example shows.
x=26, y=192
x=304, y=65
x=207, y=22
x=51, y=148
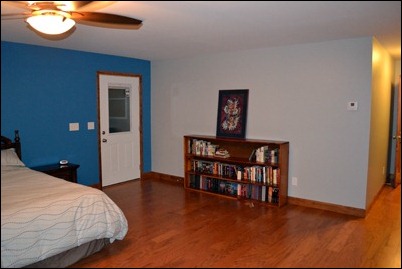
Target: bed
x=50, y=222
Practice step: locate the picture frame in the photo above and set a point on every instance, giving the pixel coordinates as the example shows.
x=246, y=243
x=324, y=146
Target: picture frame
x=232, y=113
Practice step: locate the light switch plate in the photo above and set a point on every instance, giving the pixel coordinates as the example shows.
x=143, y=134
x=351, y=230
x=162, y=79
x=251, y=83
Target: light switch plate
x=91, y=125
x=74, y=126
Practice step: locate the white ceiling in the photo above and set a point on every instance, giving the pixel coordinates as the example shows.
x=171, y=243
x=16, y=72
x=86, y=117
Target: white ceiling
x=177, y=29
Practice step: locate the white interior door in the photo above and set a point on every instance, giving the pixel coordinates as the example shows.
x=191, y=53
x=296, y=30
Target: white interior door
x=119, y=128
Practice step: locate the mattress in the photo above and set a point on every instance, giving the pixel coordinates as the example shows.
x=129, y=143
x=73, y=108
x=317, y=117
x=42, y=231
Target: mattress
x=42, y=216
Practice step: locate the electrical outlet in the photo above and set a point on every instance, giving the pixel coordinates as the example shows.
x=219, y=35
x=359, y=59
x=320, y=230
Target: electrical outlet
x=294, y=181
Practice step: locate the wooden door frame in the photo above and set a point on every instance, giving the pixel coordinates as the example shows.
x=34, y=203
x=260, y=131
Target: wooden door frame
x=98, y=74
x=397, y=137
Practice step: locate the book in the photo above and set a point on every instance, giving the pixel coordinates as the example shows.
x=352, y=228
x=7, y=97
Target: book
x=270, y=191
x=239, y=173
x=252, y=156
x=274, y=156
x=211, y=149
x=263, y=193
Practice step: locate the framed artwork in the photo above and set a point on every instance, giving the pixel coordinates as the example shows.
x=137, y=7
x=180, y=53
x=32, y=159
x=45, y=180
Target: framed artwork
x=232, y=113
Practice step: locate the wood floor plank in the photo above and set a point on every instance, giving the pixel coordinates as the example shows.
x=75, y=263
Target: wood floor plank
x=170, y=227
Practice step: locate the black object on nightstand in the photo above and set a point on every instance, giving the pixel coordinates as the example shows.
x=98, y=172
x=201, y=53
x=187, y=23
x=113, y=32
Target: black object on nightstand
x=64, y=171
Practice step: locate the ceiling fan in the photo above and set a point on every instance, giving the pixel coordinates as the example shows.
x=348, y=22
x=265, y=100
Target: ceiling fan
x=54, y=18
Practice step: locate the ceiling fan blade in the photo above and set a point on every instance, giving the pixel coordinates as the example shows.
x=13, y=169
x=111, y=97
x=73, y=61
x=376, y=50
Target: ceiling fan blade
x=79, y=11
x=90, y=5
x=57, y=5
x=13, y=17
x=19, y=4
x=76, y=5
x=105, y=20
x=53, y=5
x=16, y=14
x=80, y=5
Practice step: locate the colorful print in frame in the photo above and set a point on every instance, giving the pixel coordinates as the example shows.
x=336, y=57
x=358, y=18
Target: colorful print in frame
x=232, y=113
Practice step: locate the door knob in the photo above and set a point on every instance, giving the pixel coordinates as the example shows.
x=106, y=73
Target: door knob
x=104, y=140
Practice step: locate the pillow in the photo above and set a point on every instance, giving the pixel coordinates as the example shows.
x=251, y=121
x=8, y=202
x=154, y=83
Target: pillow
x=9, y=157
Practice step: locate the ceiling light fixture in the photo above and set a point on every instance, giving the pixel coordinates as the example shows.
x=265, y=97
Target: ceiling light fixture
x=51, y=22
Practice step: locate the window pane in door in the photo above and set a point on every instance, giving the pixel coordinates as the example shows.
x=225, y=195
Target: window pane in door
x=119, y=110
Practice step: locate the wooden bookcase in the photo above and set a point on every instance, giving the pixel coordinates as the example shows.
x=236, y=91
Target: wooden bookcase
x=242, y=175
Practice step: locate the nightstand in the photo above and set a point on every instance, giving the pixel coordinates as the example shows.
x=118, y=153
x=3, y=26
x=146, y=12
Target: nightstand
x=64, y=171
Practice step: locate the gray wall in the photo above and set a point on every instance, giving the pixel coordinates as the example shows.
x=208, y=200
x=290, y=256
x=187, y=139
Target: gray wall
x=381, y=87
x=296, y=93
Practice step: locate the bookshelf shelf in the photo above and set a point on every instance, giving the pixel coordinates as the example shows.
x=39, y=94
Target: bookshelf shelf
x=253, y=170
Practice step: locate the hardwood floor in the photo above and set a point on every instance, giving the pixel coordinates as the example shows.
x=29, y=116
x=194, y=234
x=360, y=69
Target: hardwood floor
x=171, y=227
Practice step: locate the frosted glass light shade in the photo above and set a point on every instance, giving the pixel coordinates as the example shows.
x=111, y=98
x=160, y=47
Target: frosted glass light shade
x=51, y=24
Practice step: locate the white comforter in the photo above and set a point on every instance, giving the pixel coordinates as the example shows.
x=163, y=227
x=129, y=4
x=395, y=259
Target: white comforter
x=42, y=216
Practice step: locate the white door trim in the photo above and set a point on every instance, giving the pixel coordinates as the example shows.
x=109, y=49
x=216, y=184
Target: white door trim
x=139, y=127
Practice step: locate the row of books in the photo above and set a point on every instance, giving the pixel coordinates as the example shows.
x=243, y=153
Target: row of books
x=215, y=168
x=201, y=147
x=267, y=175
x=264, y=154
x=206, y=148
x=267, y=194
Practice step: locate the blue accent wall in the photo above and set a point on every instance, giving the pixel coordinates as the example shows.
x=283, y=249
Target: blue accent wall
x=44, y=89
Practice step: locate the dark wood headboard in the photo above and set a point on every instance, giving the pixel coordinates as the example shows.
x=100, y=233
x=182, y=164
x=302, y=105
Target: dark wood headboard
x=7, y=143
